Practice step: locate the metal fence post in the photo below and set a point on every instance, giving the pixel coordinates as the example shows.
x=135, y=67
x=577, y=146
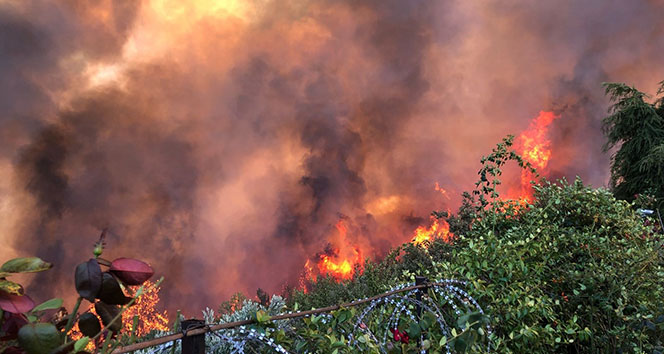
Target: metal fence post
x=193, y=344
x=419, y=280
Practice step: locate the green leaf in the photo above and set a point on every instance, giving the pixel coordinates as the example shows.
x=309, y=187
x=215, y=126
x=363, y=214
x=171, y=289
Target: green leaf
x=443, y=341
x=39, y=338
x=25, y=265
x=51, y=304
x=262, y=316
x=426, y=344
x=81, y=344
x=11, y=287
x=414, y=330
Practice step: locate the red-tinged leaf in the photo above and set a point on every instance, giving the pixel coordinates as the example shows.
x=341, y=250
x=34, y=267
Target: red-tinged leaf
x=11, y=323
x=88, y=279
x=131, y=271
x=15, y=303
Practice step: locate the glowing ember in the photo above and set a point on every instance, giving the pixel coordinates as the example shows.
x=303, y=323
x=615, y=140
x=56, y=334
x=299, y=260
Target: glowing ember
x=149, y=318
x=535, y=148
x=438, y=229
x=339, y=262
x=442, y=191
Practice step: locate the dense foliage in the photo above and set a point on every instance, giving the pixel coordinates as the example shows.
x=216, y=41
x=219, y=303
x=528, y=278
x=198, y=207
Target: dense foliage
x=636, y=128
x=577, y=271
x=574, y=271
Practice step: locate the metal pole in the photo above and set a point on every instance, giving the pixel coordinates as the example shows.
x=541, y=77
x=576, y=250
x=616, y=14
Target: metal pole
x=193, y=344
x=419, y=281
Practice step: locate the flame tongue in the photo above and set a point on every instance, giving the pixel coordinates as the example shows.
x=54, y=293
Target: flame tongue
x=439, y=228
x=339, y=261
x=535, y=147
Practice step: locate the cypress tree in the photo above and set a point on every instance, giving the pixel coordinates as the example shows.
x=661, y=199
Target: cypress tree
x=635, y=128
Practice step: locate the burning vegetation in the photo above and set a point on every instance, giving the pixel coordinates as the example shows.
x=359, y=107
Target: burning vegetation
x=139, y=319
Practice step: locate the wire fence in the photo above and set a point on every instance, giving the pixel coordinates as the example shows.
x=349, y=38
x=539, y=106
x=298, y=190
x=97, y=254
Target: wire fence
x=418, y=288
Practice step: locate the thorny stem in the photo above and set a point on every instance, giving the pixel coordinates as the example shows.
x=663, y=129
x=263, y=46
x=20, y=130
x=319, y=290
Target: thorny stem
x=70, y=321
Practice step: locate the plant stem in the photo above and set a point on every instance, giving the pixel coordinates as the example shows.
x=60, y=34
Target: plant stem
x=134, y=329
x=70, y=321
x=104, y=262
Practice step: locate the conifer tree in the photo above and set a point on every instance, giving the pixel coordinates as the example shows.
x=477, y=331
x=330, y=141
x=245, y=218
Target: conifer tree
x=635, y=128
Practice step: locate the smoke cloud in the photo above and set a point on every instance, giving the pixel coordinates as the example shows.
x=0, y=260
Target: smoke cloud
x=222, y=141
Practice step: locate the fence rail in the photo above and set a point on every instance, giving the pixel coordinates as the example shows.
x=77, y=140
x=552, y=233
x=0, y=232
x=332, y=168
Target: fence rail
x=200, y=328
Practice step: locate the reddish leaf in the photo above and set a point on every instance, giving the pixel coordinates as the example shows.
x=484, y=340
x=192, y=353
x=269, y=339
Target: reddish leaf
x=131, y=271
x=10, y=325
x=15, y=303
x=88, y=279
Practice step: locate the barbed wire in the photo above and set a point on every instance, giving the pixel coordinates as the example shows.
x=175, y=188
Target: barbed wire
x=205, y=328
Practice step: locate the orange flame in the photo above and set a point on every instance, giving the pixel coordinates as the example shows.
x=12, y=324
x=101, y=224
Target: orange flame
x=149, y=318
x=438, y=229
x=442, y=191
x=339, y=263
x=535, y=148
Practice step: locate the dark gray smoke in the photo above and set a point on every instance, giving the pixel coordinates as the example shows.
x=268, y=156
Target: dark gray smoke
x=225, y=148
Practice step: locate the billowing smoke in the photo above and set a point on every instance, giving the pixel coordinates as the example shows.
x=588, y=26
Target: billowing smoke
x=223, y=141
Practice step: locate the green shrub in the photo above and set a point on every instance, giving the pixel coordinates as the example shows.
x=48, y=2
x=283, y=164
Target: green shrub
x=577, y=271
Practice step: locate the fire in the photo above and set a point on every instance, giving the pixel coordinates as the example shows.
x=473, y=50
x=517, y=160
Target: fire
x=535, y=148
x=438, y=229
x=442, y=191
x=339, y=262
x=149, y=318
x=533, y=144
x=341, y=269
